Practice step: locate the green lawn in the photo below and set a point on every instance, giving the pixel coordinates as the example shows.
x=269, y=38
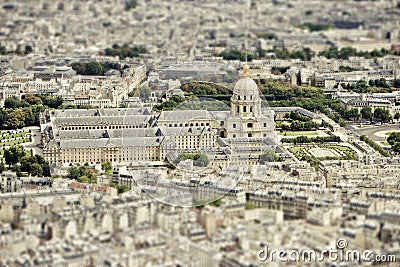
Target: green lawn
x=346, y=152
x=299, y=133
x=341, y=148
x=295, y=149
x=385, y=143
x=388, y=133
x=14, y=142
x=9, y=136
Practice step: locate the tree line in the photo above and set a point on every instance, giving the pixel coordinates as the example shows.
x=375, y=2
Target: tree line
x=394, y=141
x=373, y=85
x=305, y=54
x=20, y=160
x=19, y=50
x=268, y=155
x=205, y=89
x=300, y=126
x=26, y=112
x=279, y=94
x=96, y=68
x=347, y=52
x=306, y=140
x=125, y=51
x=199, y=159
x=170, y=104
x=374, y=145
x=83, y=174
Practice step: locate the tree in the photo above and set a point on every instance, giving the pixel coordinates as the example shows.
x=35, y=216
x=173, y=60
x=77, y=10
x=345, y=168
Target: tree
x=124, y=51
x=14, y=154
x=28, y=49
x=3, y=50
x=352, y=114
x=36, y=169
x=26, y=163
x=12, y=103
x=84, y=179
x=32, y=99
x=268, y=156
x=371, y=83
x=120, y=188
x=235, y=54
x=130, y=4
x=17, y=170
x=201, y=161
x=74, y=173
x=394, y=141
x=315, y=26
x=381, y=83
x=94, y=68
x=382, y=115
x=82, y=174
x=2, y=167
x=51, y=101
x=366, y=113
x=35, y=165
x=15, y=119
x=374, y=145
x=106, y=166
x=396, y=83
x=397, y=116
x=88, y=68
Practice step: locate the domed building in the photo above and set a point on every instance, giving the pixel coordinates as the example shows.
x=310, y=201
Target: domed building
x=248, y=119
x=246, y=130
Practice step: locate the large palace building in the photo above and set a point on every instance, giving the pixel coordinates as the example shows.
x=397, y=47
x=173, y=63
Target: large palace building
x=126, y=135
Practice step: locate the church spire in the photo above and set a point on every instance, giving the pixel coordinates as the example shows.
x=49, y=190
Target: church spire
x=246, y=69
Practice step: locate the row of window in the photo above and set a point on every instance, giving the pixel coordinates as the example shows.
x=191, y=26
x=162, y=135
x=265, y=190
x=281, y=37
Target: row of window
x=244, y=109
x=245, y=97
x=104, y=127
x=186, y=124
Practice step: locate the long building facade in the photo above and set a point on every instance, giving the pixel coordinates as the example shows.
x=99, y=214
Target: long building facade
x=126, y=135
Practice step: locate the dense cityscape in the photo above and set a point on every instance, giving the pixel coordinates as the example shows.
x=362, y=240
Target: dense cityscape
x=199, y=133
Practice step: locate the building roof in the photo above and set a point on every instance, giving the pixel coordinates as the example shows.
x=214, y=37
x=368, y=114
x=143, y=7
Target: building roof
x=183, y=115
x=111, y=133
x=101, y=120
x=246, y=86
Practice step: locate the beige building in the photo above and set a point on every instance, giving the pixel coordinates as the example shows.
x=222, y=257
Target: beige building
x=127, y=135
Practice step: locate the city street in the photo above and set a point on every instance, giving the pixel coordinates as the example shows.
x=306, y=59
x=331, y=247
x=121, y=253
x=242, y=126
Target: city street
x=371, y=131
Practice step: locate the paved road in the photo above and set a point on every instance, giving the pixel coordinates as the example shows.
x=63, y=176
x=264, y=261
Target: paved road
x=35, y=131
x=371, y=130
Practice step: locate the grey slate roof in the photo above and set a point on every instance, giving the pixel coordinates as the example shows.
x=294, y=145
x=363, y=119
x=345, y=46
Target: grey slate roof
x=109, y=120
x=183, y=115
x=113, y=133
